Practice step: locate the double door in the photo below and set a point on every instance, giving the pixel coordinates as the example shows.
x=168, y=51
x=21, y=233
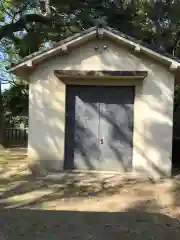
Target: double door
x=99, y=127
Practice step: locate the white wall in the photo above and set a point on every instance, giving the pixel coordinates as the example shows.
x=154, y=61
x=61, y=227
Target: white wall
x=153, y=109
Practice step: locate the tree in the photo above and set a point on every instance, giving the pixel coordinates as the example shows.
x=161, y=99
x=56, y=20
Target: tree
x=15, y=100
x=154, y=22
x=28, y=25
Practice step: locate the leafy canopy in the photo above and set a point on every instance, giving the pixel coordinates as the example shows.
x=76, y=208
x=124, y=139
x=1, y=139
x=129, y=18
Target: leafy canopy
x=29, y=24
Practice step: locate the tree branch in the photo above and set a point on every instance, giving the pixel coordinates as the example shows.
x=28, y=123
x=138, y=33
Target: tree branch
x=8, y=29
x=47, y=7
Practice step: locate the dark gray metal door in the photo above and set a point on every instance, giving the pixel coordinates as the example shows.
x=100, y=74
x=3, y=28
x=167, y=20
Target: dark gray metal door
x=84, y=128
x=116, y=128
x=99, y=127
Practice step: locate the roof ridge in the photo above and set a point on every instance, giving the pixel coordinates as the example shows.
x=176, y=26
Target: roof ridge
x=146, y=48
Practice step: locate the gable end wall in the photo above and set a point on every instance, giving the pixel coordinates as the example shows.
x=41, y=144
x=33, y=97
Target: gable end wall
x=153, y=108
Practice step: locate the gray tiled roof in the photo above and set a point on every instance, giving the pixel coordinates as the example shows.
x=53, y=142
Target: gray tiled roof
x=77, y=35
x=66, y=40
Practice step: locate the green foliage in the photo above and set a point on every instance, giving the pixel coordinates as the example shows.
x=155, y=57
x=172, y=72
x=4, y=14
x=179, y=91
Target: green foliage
x=154, y=22
x=15, y=100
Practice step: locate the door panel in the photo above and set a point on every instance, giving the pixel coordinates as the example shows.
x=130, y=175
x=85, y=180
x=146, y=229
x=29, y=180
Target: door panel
x=116, y=128
x=86, y=145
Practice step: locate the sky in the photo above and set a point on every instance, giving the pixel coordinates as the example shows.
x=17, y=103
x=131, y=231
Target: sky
x=4, y=75
x=3, y=78
x=4, y=58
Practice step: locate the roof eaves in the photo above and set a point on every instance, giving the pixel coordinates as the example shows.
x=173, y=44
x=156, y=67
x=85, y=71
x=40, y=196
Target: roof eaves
x=57, y=46
x=126, y=39
x=172, y=62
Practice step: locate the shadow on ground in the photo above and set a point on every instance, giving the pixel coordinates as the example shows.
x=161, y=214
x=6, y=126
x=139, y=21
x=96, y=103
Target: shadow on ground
x=132, y=224
x=23, y=214
x=14, y=191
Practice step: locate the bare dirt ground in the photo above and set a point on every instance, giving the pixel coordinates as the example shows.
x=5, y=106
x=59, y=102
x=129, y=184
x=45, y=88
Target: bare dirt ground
x=88, y=206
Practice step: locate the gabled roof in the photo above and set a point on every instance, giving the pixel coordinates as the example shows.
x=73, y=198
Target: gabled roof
x=32, y=60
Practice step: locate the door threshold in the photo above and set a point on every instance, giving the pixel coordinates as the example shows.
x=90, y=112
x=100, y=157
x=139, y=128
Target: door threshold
x=129, y=174
x=96, y=171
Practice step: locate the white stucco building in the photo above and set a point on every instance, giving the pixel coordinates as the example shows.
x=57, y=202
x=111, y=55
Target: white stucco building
x=101, y=101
